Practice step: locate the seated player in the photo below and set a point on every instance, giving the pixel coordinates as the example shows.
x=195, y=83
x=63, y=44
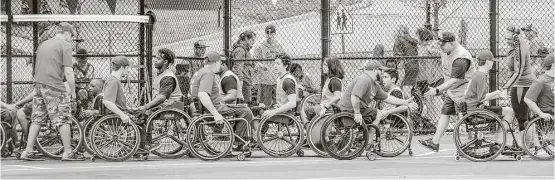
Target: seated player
x=477, y=92
x=331, y=92
x=230, y=86
x=91, y=99
x=204, y=85
x=390, y=79
x=286, y=90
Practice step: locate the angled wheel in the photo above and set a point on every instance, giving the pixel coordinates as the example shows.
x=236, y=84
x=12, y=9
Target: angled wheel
x=395, y=135
x=114, y=140
x=307, y=103
x=2, y=136
x=49, y=141
x=538, y=139
x=209, y=141
x=314, y=134
x=169, y=128
x=343, y=138
x=87, y=126
x=280, y=135
x=480, y=136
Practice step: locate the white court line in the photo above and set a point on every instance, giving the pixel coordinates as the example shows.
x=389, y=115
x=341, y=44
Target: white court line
x=433, y=177
x=31, y=167
x=428, y=153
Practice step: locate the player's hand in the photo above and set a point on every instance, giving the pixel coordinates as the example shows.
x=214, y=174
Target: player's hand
x=142, y=108
x=125, y=118
x=503, y=95
x=431, y=92
x=546, y=116
x=408, y=101
x=269, y=113
x=322, y=112
x=358, y=118
x=218, y=118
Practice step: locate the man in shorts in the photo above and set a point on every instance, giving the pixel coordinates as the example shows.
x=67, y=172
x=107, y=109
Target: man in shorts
x=53, y=64
x=477, y=92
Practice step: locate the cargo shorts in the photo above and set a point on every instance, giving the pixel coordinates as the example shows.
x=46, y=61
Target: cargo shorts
x=49, y=103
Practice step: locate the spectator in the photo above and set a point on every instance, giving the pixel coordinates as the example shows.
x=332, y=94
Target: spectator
x=244, y=69
x=378, y=51
x=84, y=71
x=532, y=38
x=304, y=83
x=405, y=45
x=200, y=50
x=265, y=79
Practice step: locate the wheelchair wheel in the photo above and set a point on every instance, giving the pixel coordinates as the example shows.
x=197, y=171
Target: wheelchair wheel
x=538, y=141
x=87, y=126
x=395, y=135
x=280, y=135
x=309, y=102
x=313, y=137
x=169, y=128
x=49, y=141
x=113, y=140
x=2, y=136
x=209, y=141
x=343, y=138
x=480, y=136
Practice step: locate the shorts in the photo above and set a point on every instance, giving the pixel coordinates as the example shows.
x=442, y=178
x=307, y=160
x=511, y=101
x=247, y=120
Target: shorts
x=495, y=109
x=52, y=104
x=28, y=109
x=448, y=107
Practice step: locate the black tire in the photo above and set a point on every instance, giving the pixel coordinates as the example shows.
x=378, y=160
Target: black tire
x=391, y=128
x=314, y=135
x=2, y=136
x=49, y=138
x=87, y=126
x=478, y=124
x=308, y=102
x=111, y=130
x=174, y=132
x=544, y=131
x=354, y=135
x=202, y=143
x=295, y=139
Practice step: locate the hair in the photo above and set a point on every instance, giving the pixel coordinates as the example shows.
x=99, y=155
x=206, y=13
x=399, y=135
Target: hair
x=393, y=73
x=116, y=67
x=424, y=34
x=335, y=68
x=378, y=50
x=391, y=61
x=294, y=66
x=167, y=55
x=248, y=34
x=101, y=81
x=285, y=60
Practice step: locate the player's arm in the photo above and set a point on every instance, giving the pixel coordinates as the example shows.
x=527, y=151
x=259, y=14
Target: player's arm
x=493, y=95
x=289, y=88
x=336, y=89
x=532, y=96
x=26, y=100
x=229, y=86
x=206, y=86
x=398, y=109
x=359, y=89
x=68, y=70
x=167, y=85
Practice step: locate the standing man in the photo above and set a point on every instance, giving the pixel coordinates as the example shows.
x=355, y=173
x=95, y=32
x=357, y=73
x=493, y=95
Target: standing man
x=54, y=63
x=458, y=66
x=265, y=79
x=200, y=50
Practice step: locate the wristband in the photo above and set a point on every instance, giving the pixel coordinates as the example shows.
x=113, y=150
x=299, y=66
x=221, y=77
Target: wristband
x=437, y=90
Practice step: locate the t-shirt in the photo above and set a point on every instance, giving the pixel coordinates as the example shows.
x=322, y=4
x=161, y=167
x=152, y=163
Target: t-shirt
x=477, y=89
x=113, y=92
x=458, y=71
x=52, y=56
x=288, y=86
x=229, y=83
x=167, y=86
x=204, y=80
x=365, y=88
x=334, y=85
x=541, y=92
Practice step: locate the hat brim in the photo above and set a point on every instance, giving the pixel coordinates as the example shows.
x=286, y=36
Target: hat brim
x=201, y=46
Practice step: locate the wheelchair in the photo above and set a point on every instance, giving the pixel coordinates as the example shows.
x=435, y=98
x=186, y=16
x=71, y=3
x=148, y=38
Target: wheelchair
x=49, y=141
x=538, y=139
x=314, y=125
x=211, y=141
x=344, y=139
x=476, y=136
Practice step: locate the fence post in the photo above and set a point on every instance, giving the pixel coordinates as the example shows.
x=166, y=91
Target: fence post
x=35, y=10
x=227, y=32
x=325, y=18
x=142, y=50
x=9, y=80
x=493, y=15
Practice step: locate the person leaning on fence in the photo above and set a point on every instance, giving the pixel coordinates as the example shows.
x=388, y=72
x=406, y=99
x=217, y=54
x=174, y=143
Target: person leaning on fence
x=53, y=64
x=84, y=71
x=230, y=85
x=459, y=64
x=540, y=96
x=331, y=91
x=477, y=93
x=363, y=90
x=265, y=79
x=244, y=69
x=200, y=49
x=405, y=45
x=305, y=84
x=204, y=85
x=522, y=77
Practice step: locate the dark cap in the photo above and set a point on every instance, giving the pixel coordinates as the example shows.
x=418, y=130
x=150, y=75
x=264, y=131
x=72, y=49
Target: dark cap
x=81, y=51
x=374, y=64
x=485, y=55
x=270, y=28
x=200, y=44
x=123, y=61
x=66, y=27
x=447, y=37
x=548, y=60
x=213, y=56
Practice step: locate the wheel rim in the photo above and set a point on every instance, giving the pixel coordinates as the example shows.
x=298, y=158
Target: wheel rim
x=480, y=136
x=314, y=136
x=343, y=137
x=538, y=140
x=208, y=140
x=280, y=135
x=167, y=127
x=113, y=140
x=49, y=139
x=395, y=135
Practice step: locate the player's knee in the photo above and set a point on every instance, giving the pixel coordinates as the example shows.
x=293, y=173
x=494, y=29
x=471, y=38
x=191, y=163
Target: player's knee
x=506, y=111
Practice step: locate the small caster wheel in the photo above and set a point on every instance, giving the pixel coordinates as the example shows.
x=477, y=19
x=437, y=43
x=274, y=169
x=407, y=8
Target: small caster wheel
x=457, y=158
x=371, y=156
x=93, y=159
x=410, y=153
x=143, y=157
x=300, y=153
x=241, y=157
x=18, y=155
x=518, y=157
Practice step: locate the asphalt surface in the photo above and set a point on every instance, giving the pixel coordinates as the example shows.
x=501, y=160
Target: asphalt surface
x=422, y=165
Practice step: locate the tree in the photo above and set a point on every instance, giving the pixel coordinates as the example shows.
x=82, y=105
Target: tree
x=435, y=7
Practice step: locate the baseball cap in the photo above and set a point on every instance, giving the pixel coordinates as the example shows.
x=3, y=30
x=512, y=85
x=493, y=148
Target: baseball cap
x=447, y=37
x=200, y=44
x=270, y=28
x=123, y=61
x=213, y=56
x=374, y=64
x=81, y=51
x=548, y=60
x=485, y=55
x=64, y=26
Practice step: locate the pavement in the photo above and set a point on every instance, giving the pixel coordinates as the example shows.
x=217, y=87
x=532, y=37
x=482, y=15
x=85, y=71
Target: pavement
x=422, y=165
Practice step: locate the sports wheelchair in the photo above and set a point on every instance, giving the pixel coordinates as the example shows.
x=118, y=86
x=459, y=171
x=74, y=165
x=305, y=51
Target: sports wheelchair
x=539, y=136
x=344, y=139
x=111, y=139
x=211, y=141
